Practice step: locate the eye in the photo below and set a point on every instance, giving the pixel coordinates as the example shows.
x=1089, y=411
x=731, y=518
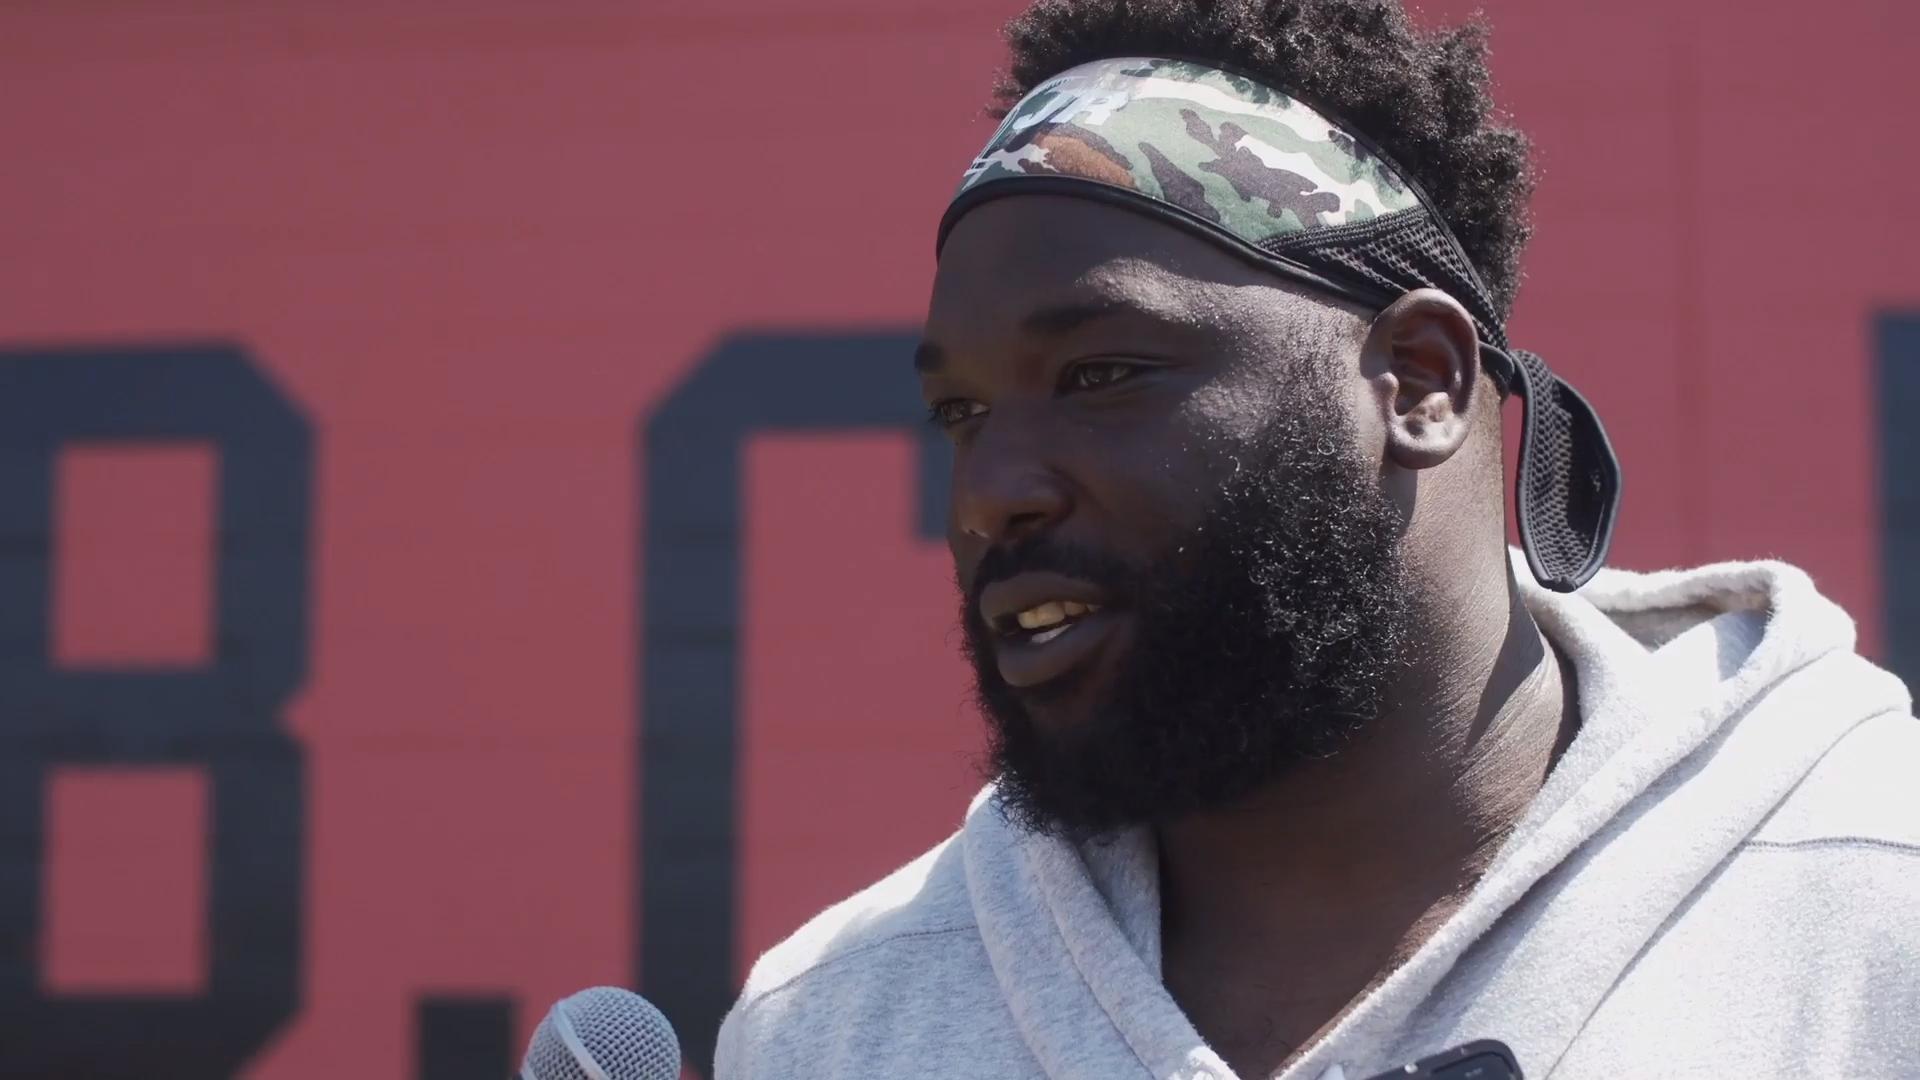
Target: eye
x=949, y=412
x=1095, y=374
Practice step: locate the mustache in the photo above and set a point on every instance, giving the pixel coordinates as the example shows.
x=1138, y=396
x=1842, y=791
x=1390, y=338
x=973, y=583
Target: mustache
x=1113, y=574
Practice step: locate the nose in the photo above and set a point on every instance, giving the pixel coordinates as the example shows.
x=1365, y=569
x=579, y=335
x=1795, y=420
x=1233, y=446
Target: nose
x=1003, y=488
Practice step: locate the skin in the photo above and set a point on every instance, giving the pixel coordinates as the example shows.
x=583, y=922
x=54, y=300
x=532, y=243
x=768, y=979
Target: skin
x=1093, y=364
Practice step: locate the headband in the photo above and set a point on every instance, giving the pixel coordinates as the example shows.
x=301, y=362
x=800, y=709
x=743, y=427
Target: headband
x=1259, y=171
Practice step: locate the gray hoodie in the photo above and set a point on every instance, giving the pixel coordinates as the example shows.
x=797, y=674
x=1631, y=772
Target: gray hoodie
x=1721, y=877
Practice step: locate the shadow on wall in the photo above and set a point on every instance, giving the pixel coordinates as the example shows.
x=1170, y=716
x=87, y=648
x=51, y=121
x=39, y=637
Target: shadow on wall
x=1897, y=341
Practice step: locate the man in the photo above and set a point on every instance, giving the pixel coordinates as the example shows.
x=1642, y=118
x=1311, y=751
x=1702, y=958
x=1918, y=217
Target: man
x=1299, y=773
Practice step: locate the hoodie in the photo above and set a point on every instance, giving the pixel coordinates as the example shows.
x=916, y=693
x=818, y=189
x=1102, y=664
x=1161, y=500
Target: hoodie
x=1720, y=877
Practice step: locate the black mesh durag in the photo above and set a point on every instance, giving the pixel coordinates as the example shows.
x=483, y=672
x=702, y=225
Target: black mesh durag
x=1567, y=490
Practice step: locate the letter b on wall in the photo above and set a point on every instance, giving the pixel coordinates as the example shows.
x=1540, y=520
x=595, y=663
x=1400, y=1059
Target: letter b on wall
x=218, y=719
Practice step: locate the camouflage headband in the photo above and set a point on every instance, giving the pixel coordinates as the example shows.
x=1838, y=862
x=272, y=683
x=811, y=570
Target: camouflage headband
x=1273, y=179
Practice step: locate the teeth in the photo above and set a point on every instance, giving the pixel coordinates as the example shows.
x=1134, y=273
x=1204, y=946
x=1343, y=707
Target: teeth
x=1042, y=615
x=1045, y=636
x=1052, y=613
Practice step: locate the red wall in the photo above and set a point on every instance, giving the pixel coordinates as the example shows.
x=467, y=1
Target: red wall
x=474, y=252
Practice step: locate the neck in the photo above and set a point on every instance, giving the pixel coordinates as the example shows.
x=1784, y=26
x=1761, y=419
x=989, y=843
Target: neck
x=1345, y=867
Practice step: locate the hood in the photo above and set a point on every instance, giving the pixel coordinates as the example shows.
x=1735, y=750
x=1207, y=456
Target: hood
x=1705, y=696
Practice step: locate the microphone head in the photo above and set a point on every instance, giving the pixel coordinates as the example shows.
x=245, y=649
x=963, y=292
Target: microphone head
x=605, y=1033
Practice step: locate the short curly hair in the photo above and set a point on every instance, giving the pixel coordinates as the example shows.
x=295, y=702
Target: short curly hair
x=1421, y=96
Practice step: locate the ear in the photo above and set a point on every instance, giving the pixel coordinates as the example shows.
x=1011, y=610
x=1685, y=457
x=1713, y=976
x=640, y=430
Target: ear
x=1426, y=356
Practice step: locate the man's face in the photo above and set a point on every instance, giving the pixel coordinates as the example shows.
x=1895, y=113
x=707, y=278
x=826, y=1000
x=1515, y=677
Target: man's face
x=1177, y=567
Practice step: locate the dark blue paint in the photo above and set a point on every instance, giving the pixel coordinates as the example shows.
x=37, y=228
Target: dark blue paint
x=224, y=718
x=690, y=455
x=463, y=1037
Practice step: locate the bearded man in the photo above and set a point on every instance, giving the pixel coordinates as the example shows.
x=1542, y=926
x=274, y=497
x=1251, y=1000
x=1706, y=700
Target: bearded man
x=1300, y=771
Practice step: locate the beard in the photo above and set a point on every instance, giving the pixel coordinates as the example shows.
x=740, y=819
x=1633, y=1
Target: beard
x=1266, y=639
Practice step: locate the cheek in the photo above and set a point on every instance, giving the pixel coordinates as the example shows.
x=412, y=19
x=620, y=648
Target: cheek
x=1149, y=485
x=1235, y=414
x=1369, y=403
x=1227, y=415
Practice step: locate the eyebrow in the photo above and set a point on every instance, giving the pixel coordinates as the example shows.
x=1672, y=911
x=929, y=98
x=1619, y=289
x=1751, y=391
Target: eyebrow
x=1047, y=322
x=1063, y=318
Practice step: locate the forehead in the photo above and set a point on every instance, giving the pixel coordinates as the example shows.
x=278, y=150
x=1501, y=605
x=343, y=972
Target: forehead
x=1020, y=253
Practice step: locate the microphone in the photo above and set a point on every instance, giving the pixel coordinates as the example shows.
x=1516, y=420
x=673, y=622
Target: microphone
x=1482, y=1059
x=604, y=1033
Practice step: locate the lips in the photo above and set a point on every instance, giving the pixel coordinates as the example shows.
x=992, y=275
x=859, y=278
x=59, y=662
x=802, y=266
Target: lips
x=1045, y=625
